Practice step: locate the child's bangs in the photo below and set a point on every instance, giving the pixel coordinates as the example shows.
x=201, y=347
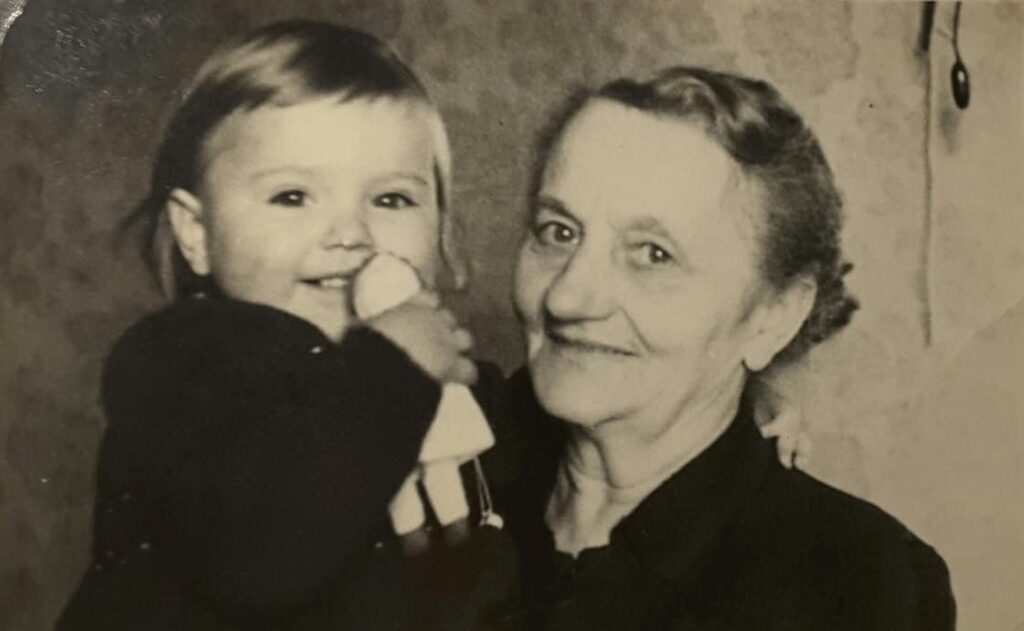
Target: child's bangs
x=295, y=61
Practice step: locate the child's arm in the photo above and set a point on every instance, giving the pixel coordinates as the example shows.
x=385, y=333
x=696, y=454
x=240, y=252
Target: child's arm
x=266, y=453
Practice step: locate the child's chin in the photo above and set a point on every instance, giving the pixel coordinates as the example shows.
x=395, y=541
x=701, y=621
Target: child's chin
x=333, y=328
x=334, y=332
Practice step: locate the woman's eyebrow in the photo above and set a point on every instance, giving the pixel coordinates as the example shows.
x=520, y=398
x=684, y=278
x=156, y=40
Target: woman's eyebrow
x=650, y=224
x=554, y=205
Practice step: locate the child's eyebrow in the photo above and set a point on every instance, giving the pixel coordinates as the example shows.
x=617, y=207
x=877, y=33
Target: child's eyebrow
x=409, y=175
x=262, y=173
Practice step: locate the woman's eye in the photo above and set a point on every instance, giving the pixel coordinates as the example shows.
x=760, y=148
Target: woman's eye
x=651, y=255
x=555, y=233
x=657, y=255
x=292, y=198
x=394, y=200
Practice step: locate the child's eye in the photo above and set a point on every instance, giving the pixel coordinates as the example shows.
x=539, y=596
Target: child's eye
x=394, y=200
x=293, y=198
x=555, y=233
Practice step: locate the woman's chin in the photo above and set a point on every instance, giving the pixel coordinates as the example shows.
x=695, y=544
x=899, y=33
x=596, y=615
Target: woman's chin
x=578, y=396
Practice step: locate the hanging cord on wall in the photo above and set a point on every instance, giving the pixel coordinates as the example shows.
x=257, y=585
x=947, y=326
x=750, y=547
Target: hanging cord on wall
x=959, y=80
x=960, y=85
x=924, y=281
x=927, y=228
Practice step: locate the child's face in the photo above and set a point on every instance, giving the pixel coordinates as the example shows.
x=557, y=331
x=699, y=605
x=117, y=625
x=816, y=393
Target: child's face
x=295, y=199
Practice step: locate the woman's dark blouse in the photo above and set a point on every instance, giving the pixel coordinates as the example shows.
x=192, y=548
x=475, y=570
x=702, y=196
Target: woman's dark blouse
x=733, y=541
x=244, y=478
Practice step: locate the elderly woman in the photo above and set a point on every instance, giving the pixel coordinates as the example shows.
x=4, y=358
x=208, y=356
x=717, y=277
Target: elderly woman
x=684, y=238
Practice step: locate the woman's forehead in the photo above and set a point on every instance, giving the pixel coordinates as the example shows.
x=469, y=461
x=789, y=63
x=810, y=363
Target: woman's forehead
x=638, y=166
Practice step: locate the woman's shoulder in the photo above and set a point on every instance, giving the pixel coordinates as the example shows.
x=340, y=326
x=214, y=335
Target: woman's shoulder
x=866, y=556
x=828, y=514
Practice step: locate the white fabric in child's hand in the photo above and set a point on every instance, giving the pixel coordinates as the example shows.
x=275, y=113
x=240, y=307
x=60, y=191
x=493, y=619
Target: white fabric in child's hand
x=386, y=282
x=406, y=509
x=443, y=486
x=459, y=431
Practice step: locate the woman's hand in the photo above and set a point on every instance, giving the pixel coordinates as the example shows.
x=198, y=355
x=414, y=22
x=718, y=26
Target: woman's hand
x=430, y=335
x=778, y=418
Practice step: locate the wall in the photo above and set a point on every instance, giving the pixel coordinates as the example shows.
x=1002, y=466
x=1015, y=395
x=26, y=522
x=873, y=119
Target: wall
x=915, y=406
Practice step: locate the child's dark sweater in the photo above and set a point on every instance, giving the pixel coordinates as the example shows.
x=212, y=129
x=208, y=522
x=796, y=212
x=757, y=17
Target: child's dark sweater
x=245, y=475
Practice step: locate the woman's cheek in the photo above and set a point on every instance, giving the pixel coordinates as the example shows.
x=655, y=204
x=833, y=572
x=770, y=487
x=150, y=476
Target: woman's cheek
x=663, y=315
x=527, y=285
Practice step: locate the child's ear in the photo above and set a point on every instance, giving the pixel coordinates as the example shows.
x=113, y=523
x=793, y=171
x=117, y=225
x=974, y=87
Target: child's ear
x=451, y=255
x=778, y=320
x=185, y=212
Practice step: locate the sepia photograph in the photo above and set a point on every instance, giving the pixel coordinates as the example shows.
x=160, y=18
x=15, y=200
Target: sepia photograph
x=553, y=315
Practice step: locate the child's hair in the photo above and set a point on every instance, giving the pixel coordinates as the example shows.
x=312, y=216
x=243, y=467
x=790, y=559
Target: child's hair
x=281, y=64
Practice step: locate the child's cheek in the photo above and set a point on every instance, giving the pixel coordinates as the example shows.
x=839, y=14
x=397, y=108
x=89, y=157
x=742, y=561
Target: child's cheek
x=417, y=242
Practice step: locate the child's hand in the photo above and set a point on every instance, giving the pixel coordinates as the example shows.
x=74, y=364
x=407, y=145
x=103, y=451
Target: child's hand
x=431, y=336
x=793, y=444
x=778, y=418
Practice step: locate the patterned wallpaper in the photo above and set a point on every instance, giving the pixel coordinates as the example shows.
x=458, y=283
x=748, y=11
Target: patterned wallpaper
x=86, y=84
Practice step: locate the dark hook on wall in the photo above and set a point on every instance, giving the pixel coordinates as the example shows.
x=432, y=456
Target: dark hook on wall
x=959, y=79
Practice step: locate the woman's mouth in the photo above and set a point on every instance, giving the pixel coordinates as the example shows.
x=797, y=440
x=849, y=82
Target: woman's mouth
x=582, y=344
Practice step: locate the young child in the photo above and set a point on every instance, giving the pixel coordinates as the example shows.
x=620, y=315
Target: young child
x=258, y=428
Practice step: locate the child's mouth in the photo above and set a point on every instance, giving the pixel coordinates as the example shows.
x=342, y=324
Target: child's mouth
x=330, y=283
x=334, y=282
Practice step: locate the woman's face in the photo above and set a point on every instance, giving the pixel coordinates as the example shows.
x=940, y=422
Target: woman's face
x=638, y=280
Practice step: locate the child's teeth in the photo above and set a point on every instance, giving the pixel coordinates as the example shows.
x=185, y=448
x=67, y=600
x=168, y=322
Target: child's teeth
x=332, y=283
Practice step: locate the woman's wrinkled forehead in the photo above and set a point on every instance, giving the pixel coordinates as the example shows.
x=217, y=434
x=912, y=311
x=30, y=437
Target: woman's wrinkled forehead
x=635, y=163
x=612, y=138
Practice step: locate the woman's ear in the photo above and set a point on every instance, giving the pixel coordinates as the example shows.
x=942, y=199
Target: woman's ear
x=778, y=321
x=185, y=212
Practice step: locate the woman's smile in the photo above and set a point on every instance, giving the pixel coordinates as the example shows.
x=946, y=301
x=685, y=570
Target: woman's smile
x=573, y=343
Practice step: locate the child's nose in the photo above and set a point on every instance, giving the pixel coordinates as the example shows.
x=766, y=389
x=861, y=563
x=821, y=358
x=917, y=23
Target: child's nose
x=349, y=230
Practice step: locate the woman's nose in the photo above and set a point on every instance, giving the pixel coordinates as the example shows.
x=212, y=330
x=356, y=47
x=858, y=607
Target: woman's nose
x=579, y=291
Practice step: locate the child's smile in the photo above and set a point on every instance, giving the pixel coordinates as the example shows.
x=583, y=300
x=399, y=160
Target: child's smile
x=295, y=199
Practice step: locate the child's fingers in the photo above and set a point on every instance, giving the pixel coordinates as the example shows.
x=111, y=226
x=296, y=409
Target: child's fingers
x=787, y=421
x=462, y=371
x=463, y=339
x=426, y=298
x=804, y=447
x=448, y=318
x=787, y=448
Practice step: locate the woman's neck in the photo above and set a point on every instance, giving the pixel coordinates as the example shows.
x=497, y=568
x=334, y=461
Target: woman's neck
x=647, y=447
x=609, y=469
